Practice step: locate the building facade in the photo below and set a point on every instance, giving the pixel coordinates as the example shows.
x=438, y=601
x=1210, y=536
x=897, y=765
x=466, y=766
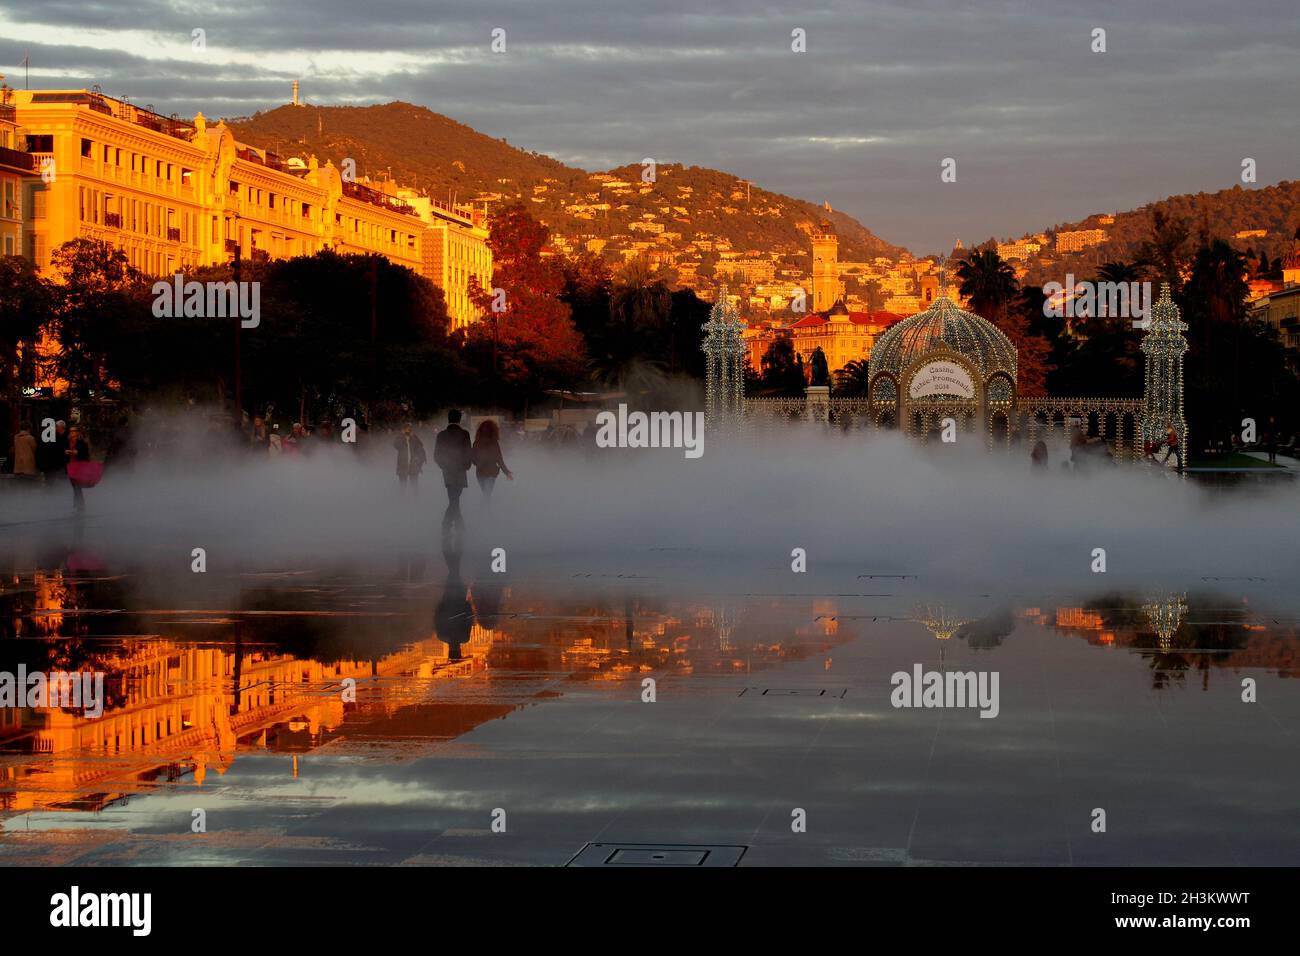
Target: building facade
x=17, y=172
x=175, y=194
x=455, y=252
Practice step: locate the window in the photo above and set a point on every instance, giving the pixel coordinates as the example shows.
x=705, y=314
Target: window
x=234, y=188
x=86, y=148
x=40, y=143
x=270, y=200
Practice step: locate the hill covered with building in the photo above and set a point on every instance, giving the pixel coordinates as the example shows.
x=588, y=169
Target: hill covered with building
x=688, y=218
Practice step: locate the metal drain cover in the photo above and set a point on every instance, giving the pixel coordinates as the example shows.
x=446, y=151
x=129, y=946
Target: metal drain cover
x=657, y=854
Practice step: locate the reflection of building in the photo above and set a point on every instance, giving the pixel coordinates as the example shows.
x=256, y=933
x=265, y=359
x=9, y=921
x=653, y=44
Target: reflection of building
x=1157, y=629
x=180, y=709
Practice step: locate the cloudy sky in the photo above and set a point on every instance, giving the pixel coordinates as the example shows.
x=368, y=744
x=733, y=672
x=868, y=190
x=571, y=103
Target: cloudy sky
x=1043, y=129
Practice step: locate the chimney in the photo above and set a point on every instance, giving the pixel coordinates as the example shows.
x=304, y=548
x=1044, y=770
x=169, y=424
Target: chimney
x=295, y=93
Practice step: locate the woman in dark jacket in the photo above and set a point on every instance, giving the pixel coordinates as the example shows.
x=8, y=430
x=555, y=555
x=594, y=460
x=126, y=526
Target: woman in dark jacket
x=486, y=456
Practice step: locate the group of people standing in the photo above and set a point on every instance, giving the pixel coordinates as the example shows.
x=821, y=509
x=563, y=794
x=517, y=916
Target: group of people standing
x=49, y=461
x=454, y=453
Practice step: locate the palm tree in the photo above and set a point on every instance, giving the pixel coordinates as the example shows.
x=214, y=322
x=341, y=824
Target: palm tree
x=1119, y=272
x=1162, y=254
x=852, y=380
x=988, y=282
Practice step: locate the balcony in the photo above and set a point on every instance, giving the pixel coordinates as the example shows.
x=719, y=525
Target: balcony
x=16, y=159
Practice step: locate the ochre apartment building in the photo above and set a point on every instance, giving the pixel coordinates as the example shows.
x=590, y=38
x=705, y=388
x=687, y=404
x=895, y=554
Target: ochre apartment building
x=175, y=194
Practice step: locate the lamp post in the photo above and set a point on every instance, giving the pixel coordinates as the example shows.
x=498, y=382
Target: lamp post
x=235, y=271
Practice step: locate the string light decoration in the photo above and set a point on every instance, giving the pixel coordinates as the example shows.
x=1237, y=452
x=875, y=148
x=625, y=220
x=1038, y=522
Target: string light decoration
x=943, y=325
x=1164, y=347
x=939, y=621
x=944, y=331
x=1165, y=614
x=724, y=368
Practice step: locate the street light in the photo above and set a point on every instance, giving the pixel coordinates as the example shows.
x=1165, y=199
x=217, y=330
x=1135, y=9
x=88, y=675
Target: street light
x=239, y=403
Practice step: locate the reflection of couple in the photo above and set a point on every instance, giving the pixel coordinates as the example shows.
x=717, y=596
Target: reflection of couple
x=454, y=453
x=454, y=616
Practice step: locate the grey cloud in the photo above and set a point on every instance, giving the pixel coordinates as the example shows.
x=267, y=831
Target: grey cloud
x=1043, y=130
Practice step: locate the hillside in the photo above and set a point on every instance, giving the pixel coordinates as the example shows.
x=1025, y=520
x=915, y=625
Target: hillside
x=1223, y=214
x=691, y=213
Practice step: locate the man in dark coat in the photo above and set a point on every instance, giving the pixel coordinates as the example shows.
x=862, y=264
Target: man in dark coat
x=410, y=457
x=451, y=453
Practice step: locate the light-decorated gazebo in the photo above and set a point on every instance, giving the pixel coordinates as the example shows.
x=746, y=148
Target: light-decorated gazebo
x=947, y=363
x=942, y=363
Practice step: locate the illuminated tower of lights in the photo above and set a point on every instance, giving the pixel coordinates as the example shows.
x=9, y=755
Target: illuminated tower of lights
x=1164, y=347
x=1165, y=615
x=724, y=369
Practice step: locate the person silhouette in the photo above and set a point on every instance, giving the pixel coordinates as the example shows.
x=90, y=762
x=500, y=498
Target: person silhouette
x=452, y=454
x=453, y=616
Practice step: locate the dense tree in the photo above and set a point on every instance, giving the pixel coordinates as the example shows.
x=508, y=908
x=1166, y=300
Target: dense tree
x=782, y=366
x=97, y=292
x=990, y=285
x=532, y=344
x=26, y=309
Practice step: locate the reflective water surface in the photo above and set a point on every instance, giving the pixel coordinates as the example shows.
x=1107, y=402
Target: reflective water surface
x=391, y=711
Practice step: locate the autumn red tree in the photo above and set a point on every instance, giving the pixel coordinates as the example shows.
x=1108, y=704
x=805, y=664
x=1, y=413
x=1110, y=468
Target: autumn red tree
x=527, y=340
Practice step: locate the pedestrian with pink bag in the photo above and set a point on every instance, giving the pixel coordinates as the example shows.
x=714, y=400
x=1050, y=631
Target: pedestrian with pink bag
x=82, y=472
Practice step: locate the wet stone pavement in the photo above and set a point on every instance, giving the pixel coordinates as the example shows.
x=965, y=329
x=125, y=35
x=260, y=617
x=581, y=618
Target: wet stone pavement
x=406, y=716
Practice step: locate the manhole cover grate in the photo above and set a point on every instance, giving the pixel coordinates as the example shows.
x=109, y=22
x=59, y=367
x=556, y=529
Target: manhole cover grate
x=657, y=854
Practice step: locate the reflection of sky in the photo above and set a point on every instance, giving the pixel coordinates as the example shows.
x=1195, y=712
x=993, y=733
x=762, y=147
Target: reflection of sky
x=1186, y=775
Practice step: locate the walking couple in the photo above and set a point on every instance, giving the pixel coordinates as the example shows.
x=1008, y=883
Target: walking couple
x=454, y=454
